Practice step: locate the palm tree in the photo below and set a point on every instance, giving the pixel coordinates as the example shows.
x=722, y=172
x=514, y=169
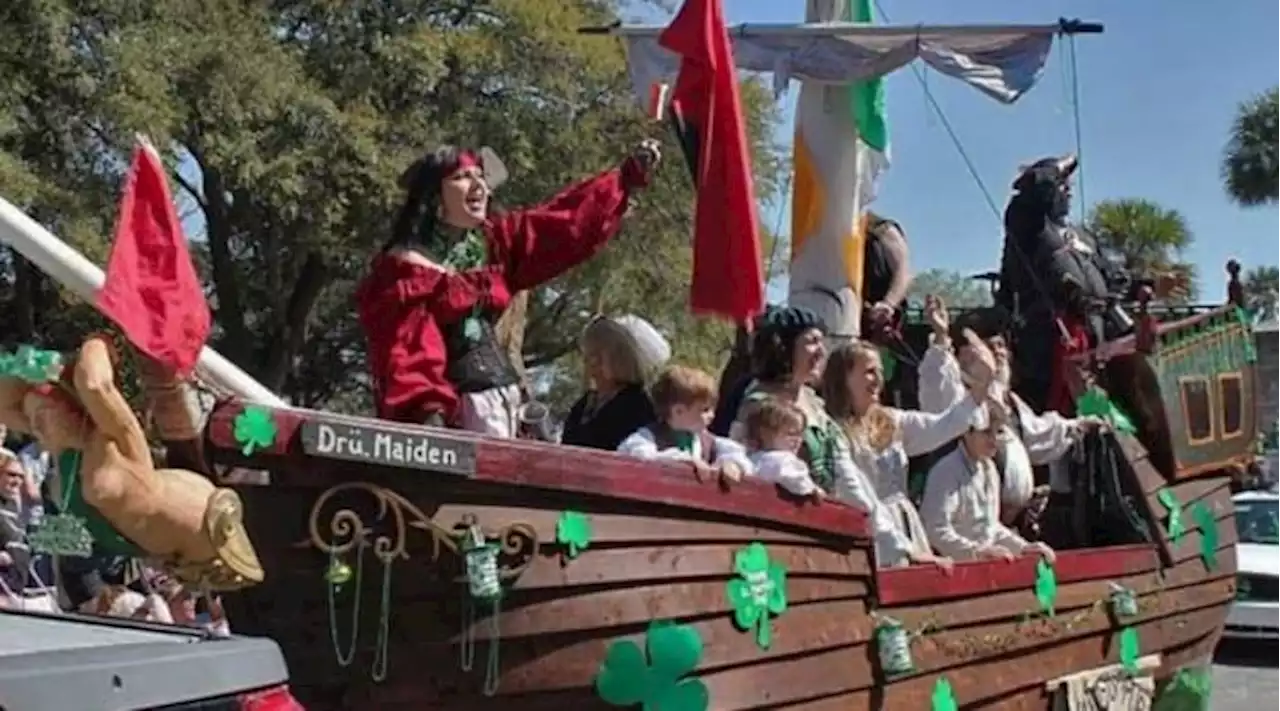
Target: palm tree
x=1260, y=286
x=1150, y=237
x=1249, y=165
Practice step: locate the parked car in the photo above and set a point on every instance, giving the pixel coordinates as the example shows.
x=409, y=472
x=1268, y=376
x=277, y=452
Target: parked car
x=66, y=662
x=1256, y=612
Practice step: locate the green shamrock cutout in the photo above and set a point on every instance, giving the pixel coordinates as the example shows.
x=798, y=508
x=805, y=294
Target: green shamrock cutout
x=759, y=591
x=573, y=530
x=1096, y=402
x=1046, y=586
x=628, y=677
x=1208, y=526
x=254, y=429
x=1171, y=504
x=1129, y=651
x=944, y=699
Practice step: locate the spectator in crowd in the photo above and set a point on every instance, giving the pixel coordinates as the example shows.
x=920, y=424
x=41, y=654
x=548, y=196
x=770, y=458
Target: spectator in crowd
x=15, y=556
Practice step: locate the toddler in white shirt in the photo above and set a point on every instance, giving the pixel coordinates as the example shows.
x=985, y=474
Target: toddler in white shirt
x=774, y=432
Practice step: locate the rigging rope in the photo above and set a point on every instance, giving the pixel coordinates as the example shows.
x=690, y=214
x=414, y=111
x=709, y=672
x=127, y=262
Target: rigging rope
x=946, y=126
x=1075, y=111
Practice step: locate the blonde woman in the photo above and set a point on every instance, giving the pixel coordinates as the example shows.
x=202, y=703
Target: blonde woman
x=882, y=439
x=617, y=356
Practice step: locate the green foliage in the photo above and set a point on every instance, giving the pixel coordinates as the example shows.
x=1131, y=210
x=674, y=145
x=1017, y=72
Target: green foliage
x=1250, y=164
x=959, y=291
x=1151, y=237
x=1260, y=292
x=288, y=124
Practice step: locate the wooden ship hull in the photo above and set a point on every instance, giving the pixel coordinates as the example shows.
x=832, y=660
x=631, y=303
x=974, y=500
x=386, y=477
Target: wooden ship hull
x=662, y=547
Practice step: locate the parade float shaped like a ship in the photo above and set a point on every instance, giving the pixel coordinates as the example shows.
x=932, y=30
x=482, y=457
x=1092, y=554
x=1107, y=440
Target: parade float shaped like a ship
x=409, y=567
x=418, y=568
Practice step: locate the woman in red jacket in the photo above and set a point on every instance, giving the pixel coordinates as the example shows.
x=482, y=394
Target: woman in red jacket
x=435, y=290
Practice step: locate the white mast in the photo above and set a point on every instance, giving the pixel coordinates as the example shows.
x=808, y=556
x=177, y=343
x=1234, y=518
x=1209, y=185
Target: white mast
x=69, y=268
x=1002, y=61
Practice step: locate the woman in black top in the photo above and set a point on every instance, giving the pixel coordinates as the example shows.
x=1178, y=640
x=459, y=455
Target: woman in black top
x=617, y=354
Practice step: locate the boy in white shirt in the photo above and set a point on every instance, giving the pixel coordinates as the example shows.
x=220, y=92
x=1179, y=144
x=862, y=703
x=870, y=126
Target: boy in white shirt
x=961, y=507
x=685, y=400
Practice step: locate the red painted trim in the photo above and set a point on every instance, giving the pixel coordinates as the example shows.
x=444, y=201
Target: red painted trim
x=552, y=466
x=928, y=583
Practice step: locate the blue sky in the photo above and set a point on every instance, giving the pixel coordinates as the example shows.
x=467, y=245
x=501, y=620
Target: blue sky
x=1158, y=92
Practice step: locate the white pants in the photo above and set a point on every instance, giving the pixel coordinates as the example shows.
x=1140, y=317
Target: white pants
x=493, y=412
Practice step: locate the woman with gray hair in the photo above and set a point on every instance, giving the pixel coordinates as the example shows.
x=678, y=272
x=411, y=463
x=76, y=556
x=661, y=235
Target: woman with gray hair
x=618, y=354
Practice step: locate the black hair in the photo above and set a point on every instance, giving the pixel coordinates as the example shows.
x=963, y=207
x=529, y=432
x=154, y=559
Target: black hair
x=774, y=342
x=418, y=218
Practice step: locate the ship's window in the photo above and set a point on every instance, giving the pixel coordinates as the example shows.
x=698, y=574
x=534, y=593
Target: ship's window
x=1197, y=408
x=1231, y=389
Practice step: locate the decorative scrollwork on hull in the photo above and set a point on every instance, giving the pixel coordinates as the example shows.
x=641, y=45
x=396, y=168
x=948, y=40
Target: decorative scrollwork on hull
x=395, y=516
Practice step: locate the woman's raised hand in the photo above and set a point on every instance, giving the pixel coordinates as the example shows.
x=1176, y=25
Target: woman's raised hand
x=981, y=372
x=935, y=313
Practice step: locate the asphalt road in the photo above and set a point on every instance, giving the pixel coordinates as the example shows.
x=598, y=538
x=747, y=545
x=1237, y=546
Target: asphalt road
x=1245, y=677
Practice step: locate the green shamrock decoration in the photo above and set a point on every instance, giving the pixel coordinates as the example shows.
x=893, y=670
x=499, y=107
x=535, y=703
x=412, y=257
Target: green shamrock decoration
x=1096, y=402
x=573, y=530
x=1129, y=651
x=1171, y=504
x=628, y=677
x=32, y=365
x=1189, y=690
x=254, y=429
x=1046, y=586
x=759, y=591
x=1208, y=525
x=944, y=699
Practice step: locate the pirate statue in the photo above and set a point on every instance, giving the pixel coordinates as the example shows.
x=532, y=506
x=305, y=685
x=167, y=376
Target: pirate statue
x=1065, y=291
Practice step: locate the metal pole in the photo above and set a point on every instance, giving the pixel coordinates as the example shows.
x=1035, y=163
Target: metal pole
x=70, y=269
x=854, y=29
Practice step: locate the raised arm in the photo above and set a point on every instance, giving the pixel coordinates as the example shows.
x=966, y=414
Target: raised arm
x=540, y=243
x=407, y=278
x=95, y=386
x=923, y=432
x=939, y=382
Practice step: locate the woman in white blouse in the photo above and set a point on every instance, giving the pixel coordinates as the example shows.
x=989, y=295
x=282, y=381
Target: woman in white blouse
x=882, y=439
x=1026, y=440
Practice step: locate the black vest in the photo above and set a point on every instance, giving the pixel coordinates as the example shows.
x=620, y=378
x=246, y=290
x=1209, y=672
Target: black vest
x=479, y=364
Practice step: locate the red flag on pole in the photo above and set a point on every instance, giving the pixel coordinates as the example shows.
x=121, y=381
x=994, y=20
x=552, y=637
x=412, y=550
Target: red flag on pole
x=151, y=290
x=727, y=274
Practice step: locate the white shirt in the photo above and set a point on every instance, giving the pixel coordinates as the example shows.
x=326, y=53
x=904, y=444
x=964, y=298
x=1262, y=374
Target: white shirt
x=642, y=444
x=961, y=508
x=1044, y=438
x=784, y=469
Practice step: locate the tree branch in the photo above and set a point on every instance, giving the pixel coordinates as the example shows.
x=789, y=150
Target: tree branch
x=310, y=283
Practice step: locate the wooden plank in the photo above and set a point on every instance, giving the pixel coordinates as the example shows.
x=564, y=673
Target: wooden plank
x=1016, y=604
x=536, y=465
x=922, y=583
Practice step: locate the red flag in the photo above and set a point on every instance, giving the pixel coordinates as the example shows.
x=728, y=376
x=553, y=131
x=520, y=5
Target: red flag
x=727, y=278
x=152, y=291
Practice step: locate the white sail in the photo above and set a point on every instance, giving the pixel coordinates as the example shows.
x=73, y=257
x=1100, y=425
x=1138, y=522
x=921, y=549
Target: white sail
x=1001, y=61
